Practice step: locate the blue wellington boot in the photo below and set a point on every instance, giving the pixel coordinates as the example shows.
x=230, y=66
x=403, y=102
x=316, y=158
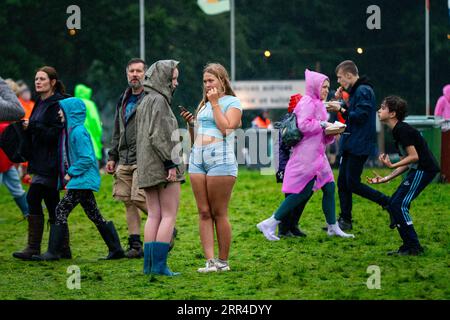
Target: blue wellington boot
x=159, y=252
x=148, y=257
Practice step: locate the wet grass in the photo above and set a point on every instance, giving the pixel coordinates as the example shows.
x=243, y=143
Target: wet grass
x=315, y=267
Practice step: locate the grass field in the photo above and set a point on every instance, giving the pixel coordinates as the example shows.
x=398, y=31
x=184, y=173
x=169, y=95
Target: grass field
x=315, y=267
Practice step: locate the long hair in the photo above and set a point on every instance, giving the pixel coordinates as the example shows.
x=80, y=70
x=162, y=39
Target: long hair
x=53, y=75
x=219, y=71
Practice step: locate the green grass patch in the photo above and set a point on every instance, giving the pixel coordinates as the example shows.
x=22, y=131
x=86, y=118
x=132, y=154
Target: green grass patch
x=315, y=267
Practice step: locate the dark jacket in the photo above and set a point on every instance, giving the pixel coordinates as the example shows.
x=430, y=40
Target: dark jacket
x=123, y=149
x=360, y=137
x=43, y=133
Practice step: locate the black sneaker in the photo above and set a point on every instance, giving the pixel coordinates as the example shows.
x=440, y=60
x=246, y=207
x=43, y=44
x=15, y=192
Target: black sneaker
x=297, y=232
x=406, y=251
x=344, y=225
x=285, y=234
x=284, y=230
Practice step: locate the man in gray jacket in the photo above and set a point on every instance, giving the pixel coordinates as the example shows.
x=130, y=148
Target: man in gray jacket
x=10, y=107
x=122, y=156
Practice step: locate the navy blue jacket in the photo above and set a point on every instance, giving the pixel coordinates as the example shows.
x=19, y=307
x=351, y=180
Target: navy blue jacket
x=360, y=137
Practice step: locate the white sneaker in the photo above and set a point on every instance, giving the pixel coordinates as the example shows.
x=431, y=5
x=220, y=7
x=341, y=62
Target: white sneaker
x=210, y=266
x=268, y=227
x=221, y=265
x=334, y=230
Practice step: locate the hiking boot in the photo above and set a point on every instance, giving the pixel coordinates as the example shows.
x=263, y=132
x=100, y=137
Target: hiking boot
x=210, y=266
x=345, y=225
x=221, y=265
x=134, y=250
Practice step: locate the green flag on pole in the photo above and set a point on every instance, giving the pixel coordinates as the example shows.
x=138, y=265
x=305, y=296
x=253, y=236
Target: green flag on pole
x=214, y=6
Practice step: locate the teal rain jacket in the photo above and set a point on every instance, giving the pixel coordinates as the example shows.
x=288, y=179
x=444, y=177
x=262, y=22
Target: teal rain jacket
x=83, y=168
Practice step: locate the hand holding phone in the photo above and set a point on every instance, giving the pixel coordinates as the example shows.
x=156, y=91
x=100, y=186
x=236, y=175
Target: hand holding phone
x=183, y=109
x=186, y=115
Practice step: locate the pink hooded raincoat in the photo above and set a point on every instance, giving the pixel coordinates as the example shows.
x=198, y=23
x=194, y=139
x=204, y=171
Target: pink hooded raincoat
x=308, y=158
x=443, y=104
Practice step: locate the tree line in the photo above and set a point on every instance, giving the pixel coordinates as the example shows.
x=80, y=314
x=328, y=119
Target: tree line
x=299, y=34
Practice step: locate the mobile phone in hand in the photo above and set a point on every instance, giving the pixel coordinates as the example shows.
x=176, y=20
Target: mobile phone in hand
x=183, y=109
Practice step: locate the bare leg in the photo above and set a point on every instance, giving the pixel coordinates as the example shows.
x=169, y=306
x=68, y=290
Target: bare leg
x=169, y=199
x=154, y=214
x=219, y=194
x=133, y=218
x=206, y=223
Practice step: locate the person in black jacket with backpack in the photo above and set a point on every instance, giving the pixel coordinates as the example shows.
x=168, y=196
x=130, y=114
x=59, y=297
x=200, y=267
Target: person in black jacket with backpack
x=43, y=132
x=288, y=226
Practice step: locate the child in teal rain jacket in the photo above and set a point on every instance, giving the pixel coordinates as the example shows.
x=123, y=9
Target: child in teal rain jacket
x=82, y=179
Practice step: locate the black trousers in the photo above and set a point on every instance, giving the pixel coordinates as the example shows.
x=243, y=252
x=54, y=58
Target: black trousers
x=39, y=192
x=349, y=182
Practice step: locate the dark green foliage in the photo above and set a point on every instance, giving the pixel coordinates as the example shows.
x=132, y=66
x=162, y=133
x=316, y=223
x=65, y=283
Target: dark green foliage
x=300, y=34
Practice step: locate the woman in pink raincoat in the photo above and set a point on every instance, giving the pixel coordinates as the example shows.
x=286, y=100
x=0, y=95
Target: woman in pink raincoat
x=308, y=168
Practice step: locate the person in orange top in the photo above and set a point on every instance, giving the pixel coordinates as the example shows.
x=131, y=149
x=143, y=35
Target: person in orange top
x=262, y=121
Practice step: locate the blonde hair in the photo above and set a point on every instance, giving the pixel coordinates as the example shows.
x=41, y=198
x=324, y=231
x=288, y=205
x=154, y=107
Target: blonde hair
x=13, y=86
x=219, y=71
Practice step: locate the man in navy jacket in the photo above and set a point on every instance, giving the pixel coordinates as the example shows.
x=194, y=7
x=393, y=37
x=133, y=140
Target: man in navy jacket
x=357, y=142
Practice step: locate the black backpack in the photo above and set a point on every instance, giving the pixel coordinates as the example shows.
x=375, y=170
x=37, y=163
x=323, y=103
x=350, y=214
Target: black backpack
x=289, y=133
x=13, y=141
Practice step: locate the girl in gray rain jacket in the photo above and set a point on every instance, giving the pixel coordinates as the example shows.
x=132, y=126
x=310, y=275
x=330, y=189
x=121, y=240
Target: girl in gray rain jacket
x=159, y=165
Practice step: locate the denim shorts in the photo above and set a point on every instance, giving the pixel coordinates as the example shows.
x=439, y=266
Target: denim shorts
x=215, y=159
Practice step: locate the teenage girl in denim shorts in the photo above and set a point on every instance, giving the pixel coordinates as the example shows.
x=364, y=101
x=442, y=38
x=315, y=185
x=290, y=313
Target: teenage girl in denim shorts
x=212, y=164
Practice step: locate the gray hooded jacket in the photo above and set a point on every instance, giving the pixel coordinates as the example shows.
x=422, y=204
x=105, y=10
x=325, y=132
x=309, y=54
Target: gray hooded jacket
x=157, y=137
